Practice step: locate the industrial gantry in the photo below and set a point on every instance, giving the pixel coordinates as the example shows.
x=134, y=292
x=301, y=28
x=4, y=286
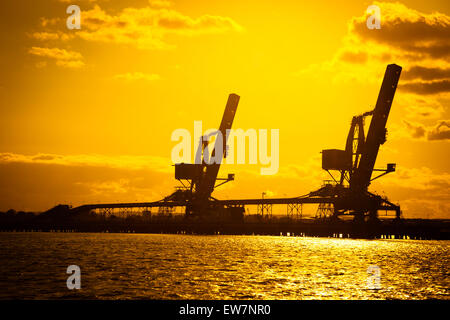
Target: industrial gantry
x=346, y=194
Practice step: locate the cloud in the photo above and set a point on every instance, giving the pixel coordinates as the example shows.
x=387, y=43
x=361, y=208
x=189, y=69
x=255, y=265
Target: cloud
x=43, y=36
x=426, y=87
x=46, y=22
x=353, y=57
x=55, y=53
x=417, y=107
x=416, y=131
x=426, y=73
x=421, y=192
x=412, y=32
x=120, y=186
x=64, y=58
x=123, y=162
x=411, y=36
x=420, y=179
x=40, y=181
x=51, y=36
x=422, y=208
x=144, y=28
x=441, y=131
x=70, y=64
x=135, y=76
x=420, y=42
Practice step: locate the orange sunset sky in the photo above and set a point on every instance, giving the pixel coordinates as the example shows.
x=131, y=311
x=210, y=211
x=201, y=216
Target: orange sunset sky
x=86, y=115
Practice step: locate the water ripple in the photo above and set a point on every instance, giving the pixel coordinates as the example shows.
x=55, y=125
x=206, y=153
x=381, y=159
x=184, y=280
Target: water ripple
x=148, y=266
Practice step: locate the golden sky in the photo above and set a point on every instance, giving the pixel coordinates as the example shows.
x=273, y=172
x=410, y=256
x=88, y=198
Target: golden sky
x=87, y=115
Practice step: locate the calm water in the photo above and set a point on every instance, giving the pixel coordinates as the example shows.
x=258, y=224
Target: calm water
x=148, y=266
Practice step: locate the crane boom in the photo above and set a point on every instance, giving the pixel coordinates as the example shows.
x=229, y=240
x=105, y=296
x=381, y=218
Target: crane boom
x=206, y=185
x=376, y=135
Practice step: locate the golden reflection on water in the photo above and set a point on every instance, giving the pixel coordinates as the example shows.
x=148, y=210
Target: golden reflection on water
x=142, y=266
